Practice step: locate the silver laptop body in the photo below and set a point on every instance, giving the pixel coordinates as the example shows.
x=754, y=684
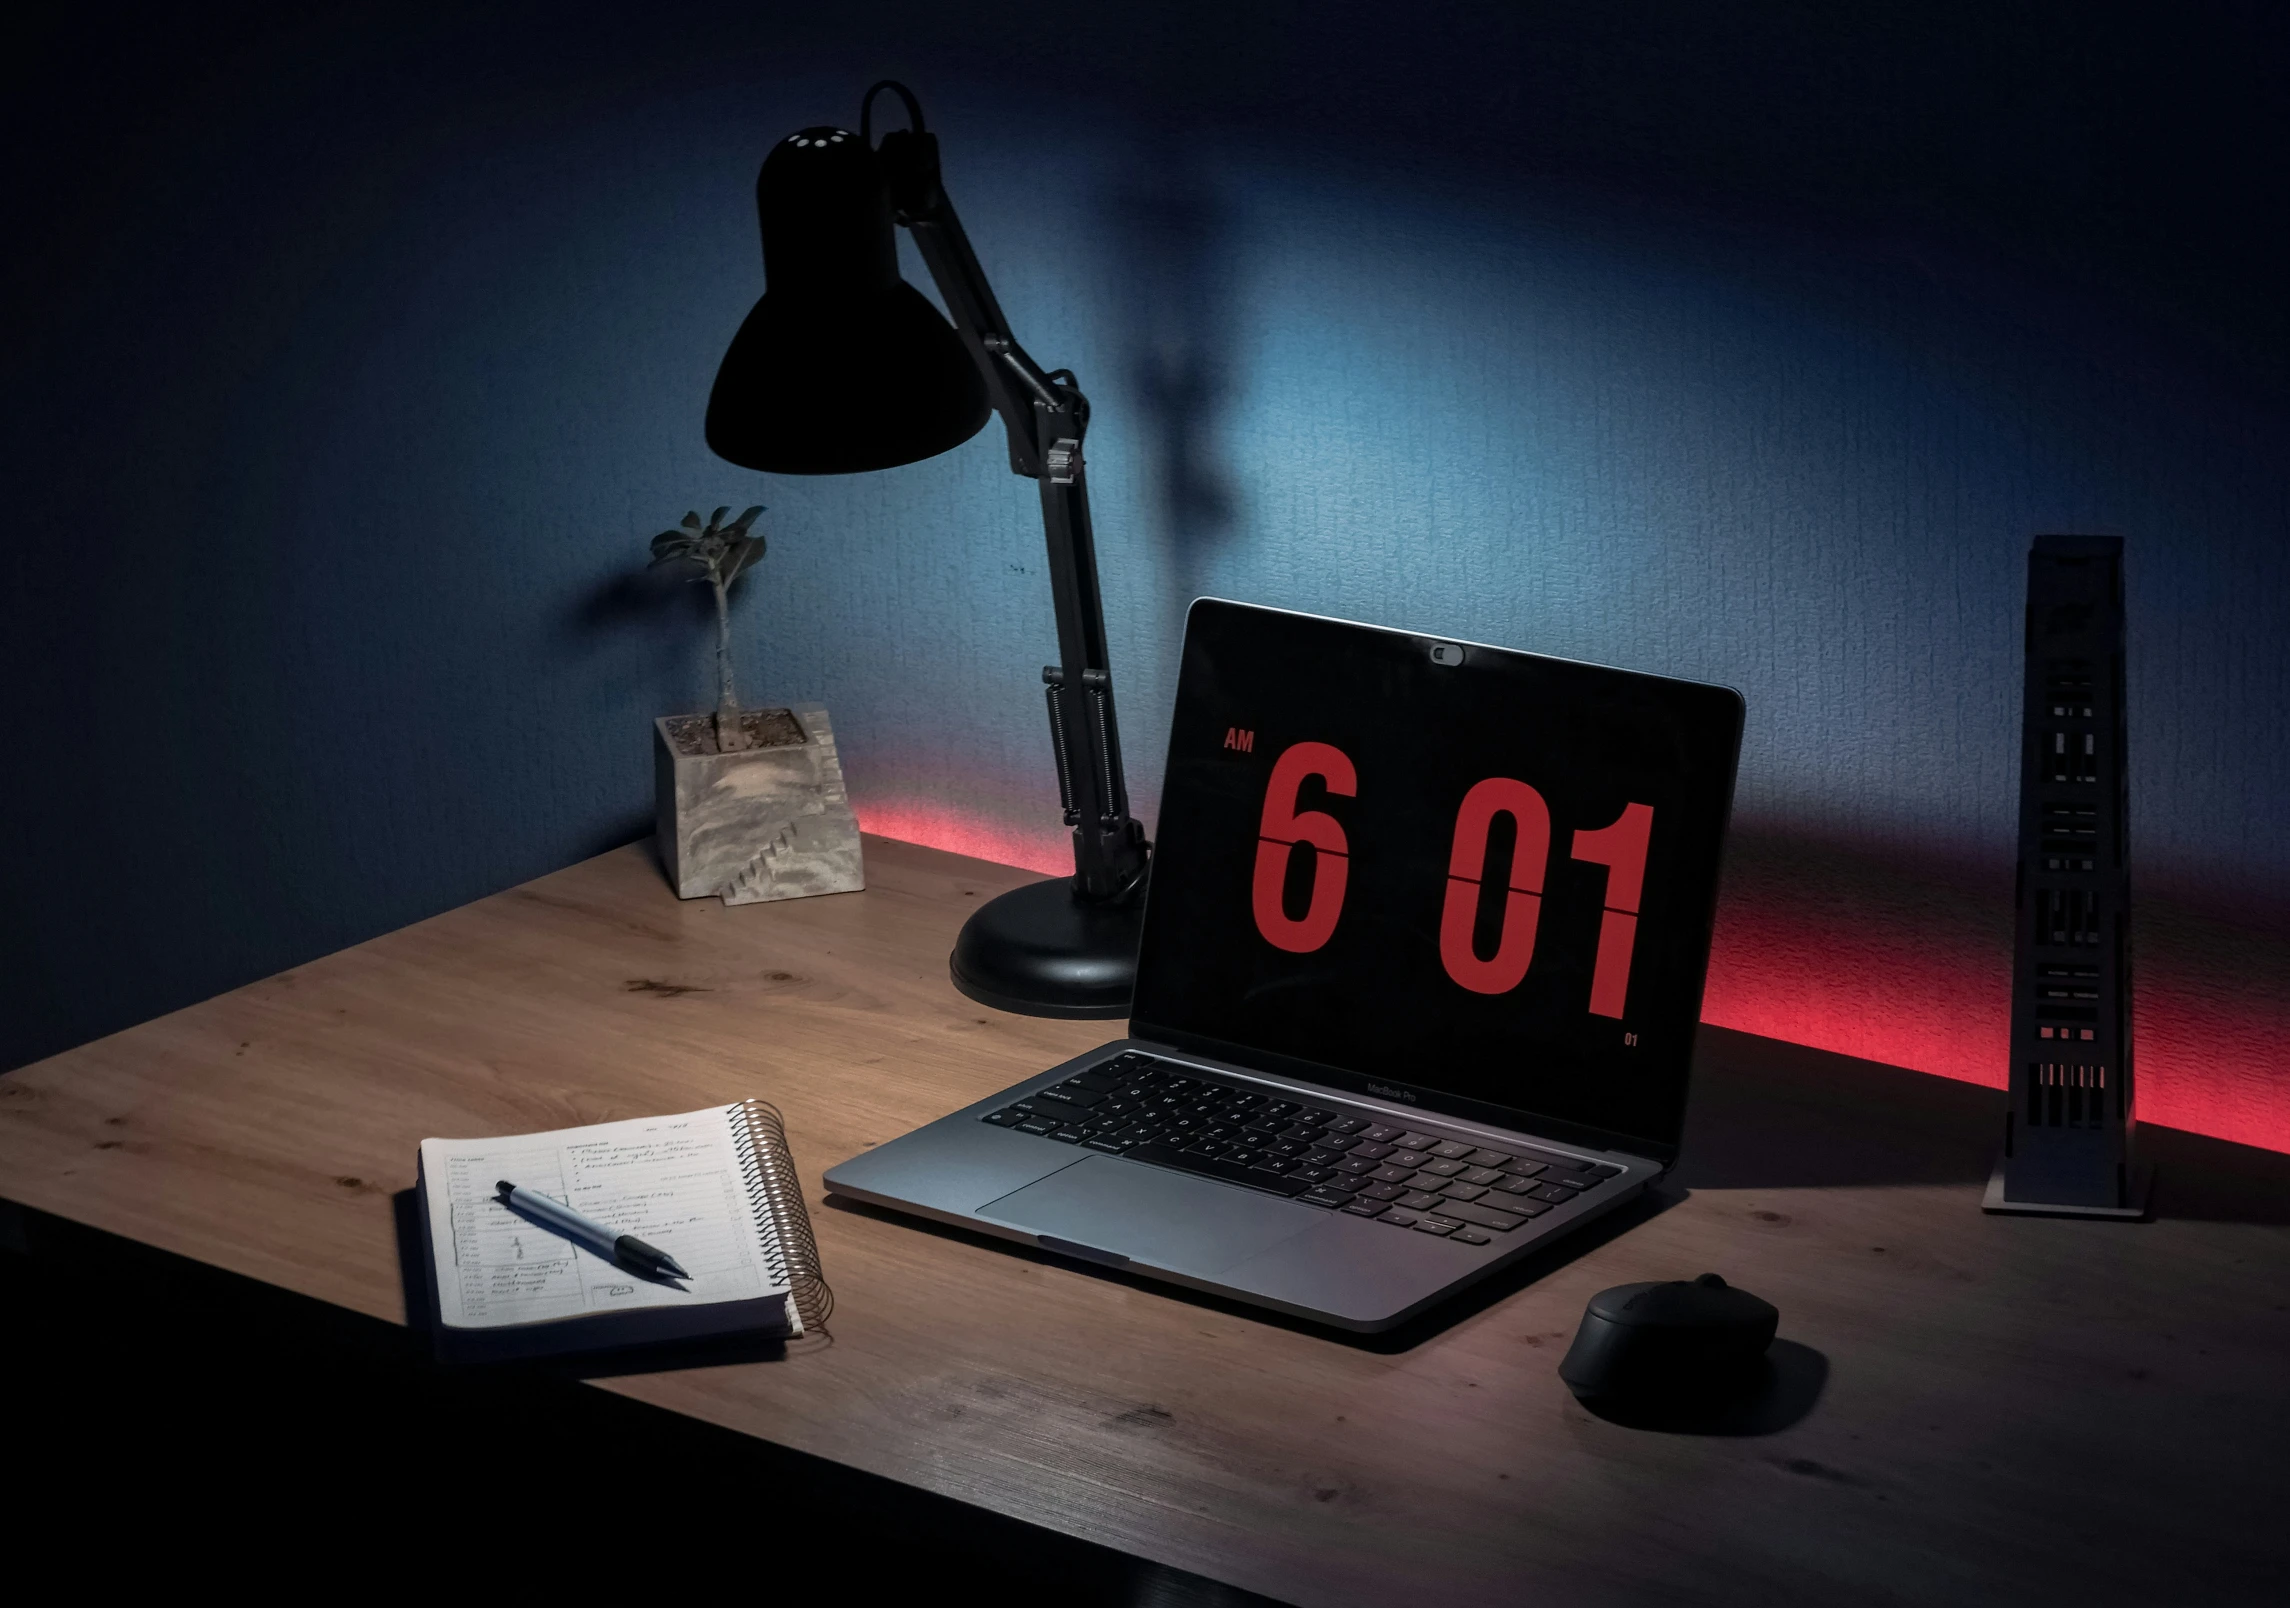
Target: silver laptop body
x=1422, y=963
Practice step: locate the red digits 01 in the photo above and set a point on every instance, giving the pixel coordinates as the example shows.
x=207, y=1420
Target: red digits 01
x=1621, y=848
x=1522, y=900
x=1283, y=827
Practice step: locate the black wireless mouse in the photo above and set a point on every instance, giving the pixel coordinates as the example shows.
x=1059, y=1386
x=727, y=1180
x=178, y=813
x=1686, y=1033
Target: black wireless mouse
x=1685, y=1339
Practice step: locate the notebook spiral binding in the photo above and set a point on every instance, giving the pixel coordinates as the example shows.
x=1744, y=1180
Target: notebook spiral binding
x=777, y=1198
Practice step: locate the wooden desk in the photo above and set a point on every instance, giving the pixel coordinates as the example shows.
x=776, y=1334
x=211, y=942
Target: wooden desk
x=2014, y=1409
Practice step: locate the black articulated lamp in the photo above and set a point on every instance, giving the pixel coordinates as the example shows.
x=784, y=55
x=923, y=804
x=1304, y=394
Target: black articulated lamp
x=844, y=367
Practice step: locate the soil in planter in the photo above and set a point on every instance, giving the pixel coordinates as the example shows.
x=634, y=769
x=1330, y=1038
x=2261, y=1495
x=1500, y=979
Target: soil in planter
x=695, y=735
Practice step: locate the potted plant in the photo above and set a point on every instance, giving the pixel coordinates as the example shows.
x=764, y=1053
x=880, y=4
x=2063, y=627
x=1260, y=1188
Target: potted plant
x=750, y=802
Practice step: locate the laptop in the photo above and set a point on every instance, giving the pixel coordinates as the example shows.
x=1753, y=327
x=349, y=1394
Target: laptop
x=1421, y=970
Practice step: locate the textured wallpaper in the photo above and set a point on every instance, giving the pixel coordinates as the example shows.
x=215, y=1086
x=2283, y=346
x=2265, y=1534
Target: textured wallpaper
x=374, y=425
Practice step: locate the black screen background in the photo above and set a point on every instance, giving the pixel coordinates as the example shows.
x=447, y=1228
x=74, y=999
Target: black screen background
x=1375, y=1000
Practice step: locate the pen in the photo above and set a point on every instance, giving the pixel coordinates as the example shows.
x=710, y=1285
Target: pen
x=614, y=1246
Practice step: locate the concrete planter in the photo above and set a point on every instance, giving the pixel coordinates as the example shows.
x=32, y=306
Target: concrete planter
x=769, y=822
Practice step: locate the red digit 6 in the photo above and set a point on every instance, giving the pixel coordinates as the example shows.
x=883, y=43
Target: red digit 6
x=1283, y=827
x=1523, y=900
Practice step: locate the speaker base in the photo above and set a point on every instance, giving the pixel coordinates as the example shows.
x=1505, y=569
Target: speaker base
x=2142, y=1185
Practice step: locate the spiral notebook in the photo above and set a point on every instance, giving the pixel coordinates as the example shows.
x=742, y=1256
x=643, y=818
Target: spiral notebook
x=715, y=1189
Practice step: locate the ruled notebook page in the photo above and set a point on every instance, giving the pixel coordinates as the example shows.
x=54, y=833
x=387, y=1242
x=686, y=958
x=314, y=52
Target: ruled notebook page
x=673, y=1182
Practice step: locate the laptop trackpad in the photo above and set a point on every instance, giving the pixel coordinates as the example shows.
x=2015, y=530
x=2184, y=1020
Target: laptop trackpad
x=1188, y=1225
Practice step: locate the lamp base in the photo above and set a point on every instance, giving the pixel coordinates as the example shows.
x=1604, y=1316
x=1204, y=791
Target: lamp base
x=1040, y=951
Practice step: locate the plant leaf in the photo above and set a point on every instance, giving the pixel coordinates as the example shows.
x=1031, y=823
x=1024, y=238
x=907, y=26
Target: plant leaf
x=716, y=519
x=742, y=523
x=750, y=555
x=692, y=520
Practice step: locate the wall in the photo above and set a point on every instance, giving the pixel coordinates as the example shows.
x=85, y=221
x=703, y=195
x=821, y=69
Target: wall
x=363, y=355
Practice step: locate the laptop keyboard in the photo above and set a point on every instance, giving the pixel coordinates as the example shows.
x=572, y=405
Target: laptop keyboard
x=1324, y=1155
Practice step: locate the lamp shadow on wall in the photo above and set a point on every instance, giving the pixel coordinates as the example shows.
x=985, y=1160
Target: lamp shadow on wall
x=1170, y=237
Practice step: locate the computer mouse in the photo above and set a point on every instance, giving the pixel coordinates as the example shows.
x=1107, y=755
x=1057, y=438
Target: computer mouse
x=1686, y=1338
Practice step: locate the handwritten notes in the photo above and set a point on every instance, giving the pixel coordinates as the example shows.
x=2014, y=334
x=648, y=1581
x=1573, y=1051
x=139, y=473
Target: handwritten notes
x=673, y=1182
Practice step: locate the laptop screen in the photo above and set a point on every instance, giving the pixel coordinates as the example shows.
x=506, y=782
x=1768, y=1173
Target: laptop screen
x=1469, y=878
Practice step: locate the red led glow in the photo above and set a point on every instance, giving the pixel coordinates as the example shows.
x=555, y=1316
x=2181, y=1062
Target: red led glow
x=1048, y=849
x=2213, y=1058
x=2210, y=1059
x=1866, y=990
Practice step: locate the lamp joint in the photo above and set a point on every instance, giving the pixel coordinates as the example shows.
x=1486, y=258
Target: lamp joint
x=1062, y=463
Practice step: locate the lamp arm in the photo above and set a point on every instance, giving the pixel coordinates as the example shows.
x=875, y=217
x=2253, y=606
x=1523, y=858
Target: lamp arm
x=1046, y=415
x=1015, y=383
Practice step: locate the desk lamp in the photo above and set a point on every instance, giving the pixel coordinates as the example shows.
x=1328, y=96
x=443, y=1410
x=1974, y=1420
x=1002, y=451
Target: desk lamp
x=844, y=367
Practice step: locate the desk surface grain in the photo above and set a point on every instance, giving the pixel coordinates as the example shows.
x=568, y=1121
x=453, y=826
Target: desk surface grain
x=2008, y=1409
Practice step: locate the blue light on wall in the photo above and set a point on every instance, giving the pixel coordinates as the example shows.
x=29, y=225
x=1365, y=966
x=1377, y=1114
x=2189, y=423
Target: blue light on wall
x=375, y=410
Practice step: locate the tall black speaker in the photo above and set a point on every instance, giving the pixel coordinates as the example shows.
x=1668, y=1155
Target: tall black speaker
x=2068, y=1136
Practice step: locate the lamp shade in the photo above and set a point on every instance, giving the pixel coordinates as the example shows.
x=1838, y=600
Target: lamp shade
x=843, y=366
